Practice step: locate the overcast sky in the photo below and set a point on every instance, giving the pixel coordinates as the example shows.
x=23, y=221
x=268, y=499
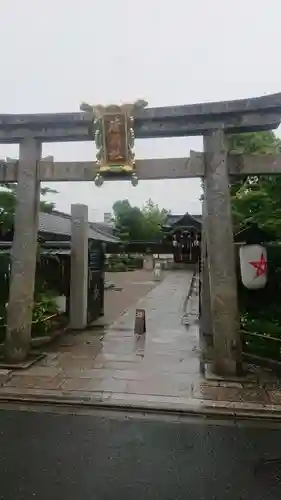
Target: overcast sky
x=57, y=53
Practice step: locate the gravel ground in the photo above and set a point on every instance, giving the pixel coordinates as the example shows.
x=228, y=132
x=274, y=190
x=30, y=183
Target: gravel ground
x=135, y=284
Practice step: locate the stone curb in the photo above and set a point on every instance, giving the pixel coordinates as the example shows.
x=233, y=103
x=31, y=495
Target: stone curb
x=212, y=409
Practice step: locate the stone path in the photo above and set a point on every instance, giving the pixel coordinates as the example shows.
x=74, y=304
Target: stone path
x=134, y=285
x=159, y=370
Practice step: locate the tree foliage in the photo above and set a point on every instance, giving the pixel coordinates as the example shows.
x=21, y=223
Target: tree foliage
x=127, y=220
x=153, y=220
x=135, y=224
x=8, y=197
x=257, y=200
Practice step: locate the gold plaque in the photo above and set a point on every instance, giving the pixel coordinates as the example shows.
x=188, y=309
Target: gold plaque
x=114, y=136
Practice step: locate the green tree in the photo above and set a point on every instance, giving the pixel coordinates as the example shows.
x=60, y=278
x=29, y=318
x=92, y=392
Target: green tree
x=254, y=142
x=153, y=220
x=256, y=200
x=8, y=198
x=135, y=224
x=128, y=221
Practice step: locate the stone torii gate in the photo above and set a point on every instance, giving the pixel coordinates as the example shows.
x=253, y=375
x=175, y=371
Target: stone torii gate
x=213, y=121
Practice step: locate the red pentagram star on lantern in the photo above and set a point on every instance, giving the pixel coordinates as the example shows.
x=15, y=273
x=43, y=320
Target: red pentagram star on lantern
x=260, y=266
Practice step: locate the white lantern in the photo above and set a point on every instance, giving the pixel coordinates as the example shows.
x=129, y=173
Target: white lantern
x=253, y=266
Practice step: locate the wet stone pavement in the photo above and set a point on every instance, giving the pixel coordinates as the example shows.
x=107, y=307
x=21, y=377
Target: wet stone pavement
x=159, y=370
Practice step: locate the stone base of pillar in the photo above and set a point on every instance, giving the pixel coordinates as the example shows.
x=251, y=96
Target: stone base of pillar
x=227, y=368
x=16, y=349
x=206, y=348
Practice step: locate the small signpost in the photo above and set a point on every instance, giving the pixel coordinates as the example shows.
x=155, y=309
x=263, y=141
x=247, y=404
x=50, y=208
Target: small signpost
x=157, y=271
x=140, y=323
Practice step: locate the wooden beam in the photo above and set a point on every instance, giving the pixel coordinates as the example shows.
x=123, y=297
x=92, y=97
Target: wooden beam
x=232, y=124
x=252, y=114
x=144, y=128
x=261, y=104
x=255, y=164
x=46, y=133
x=152, y=169
x=167, y=168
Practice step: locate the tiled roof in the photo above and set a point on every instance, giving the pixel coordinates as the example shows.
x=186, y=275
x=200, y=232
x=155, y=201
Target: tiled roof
x=100, y=226
x=173, y=219
x=197, y=217
x=61, y=225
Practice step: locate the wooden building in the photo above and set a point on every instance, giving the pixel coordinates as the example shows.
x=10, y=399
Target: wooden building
x=184, y=231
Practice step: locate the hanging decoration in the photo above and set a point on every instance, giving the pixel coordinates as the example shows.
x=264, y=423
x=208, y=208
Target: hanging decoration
x=253, y=266
x=113, y=133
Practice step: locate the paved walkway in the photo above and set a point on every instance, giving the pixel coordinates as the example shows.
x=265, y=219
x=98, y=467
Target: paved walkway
x=132, y=285
x=159, y=370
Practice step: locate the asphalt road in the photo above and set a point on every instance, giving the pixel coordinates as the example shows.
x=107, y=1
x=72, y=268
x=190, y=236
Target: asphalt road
x=51, y=456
